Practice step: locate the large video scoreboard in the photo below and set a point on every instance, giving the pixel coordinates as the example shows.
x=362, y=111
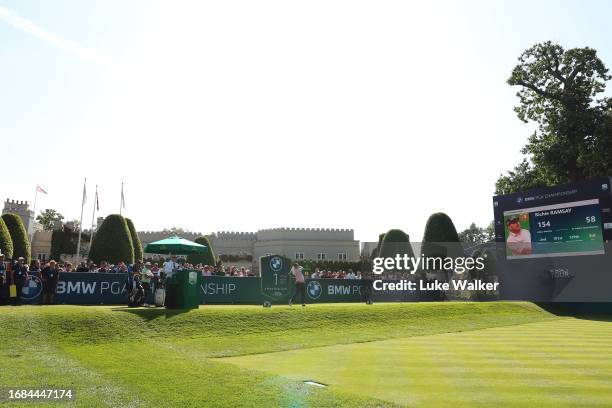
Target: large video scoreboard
x=566, y=220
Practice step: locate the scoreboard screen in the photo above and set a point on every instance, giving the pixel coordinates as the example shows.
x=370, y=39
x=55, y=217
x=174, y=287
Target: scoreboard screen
x=557, y=221
x=564, y=229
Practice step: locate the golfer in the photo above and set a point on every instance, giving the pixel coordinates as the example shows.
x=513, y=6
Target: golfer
x=296, y=271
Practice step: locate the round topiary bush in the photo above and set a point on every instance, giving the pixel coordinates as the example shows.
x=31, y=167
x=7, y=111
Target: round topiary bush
x=112, y=242
x=138, y=254
x=19, y=236
x=6, y=243
x=207, y=258
x=440, y=228
x=395, y=242
x=441, y=240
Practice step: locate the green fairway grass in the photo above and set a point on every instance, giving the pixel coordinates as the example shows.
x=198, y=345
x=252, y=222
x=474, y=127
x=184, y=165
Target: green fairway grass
x=565, y=362
x=246, y=356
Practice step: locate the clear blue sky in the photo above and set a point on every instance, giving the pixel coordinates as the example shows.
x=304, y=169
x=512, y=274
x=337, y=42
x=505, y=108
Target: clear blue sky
x=368, y=115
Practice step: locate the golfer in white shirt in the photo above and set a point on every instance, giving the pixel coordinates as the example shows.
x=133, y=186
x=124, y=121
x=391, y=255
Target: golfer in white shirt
x=297, y=271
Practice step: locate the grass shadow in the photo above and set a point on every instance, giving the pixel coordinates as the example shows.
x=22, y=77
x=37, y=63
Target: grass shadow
x=600, y=311
x=149, y=314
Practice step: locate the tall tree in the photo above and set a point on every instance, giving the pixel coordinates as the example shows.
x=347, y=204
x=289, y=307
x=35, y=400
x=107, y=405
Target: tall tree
x=19, y=236
x=175, y=230
x=48, y=218
x=477, y=235
x=557, y=91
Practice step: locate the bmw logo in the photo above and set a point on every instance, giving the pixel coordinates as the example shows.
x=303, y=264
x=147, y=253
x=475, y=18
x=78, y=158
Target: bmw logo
x=314, y=290
x=32, y=289
x=276, y=263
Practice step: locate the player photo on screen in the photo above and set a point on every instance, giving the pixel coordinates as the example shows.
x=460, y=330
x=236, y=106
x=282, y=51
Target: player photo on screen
x=554, y=230
x=518, y=235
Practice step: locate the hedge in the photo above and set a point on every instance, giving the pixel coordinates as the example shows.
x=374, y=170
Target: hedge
x=395, y=242
x=6, y=243
x=112, y=242
x=441, y=238
x=440, y=228
x=207, y=258
x=138, y=253
x=19, y=236
x=376, y=250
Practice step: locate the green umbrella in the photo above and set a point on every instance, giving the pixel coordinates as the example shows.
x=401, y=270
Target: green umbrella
x=175, y=246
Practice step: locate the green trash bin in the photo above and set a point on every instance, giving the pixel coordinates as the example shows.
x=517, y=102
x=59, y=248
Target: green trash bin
x=183, y=290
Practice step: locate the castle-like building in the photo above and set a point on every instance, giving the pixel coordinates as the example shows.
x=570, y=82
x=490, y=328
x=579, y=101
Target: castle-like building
x=22, y=208
x=294, y=243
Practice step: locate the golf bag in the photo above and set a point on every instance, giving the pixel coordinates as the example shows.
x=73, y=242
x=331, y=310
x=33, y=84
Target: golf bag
x=160, y=296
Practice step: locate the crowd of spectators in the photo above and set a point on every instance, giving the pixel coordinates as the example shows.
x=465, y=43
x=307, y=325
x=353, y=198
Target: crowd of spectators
x=155, y=267
x=220, y=270
x=323, y=274
x=173, y=263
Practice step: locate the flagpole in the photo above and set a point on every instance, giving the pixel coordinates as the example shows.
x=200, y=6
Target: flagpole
x=93, y=215
x=121, y=203
x=35, y=199
x=78, y=254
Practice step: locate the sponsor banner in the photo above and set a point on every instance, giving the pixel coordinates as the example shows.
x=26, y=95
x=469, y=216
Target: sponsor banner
x=110, y=288
x=228, y=290
x=80, y=288
x=334, y=290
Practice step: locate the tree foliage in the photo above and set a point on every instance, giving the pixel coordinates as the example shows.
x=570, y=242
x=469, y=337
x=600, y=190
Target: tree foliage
x=113, y=241
x=574, y=131
x=48, y=218
x=207, y=258
x=477, y=235
x=19, y=236
x=64, y=242
x=138, y=253
x=6, y=243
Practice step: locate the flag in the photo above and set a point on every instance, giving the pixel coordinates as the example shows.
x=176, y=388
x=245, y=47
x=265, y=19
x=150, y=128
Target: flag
x=122, y=198
x=40, y=189
x=84, y=192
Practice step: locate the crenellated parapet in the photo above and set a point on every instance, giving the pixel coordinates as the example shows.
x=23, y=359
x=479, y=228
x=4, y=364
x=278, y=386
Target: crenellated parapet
x=306, y=234
x=235, y=235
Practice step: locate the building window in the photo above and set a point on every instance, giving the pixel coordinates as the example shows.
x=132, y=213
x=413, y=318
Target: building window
x=321, y=256
x=299, y=256
x=342, y=256
x=42, y=257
